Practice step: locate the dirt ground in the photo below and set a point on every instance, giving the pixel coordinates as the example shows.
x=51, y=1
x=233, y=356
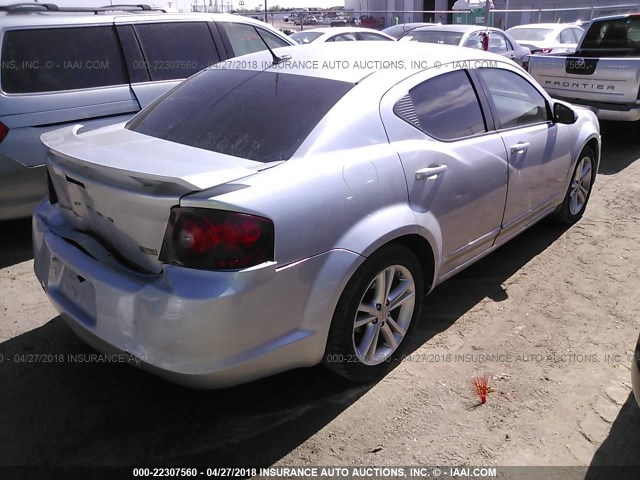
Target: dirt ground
x=551, y=319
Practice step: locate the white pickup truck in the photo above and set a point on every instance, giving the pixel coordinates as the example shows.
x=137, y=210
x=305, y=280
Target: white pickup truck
x=604, y=72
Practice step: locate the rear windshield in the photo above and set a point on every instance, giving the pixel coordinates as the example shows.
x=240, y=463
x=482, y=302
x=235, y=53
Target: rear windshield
x=261, y=116
x=533, y=34
x=621, y=33
x=305, y=37
x=395, y=31
x=431, y=36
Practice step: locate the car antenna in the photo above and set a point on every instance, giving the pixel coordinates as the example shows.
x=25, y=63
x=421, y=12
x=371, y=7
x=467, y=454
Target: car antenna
x=276, y=59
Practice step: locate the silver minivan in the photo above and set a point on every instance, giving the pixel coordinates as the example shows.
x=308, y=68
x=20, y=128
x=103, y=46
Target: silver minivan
x=97, y=66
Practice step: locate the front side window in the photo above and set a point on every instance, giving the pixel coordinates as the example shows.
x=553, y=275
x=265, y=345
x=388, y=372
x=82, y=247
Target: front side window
x=176, y=50
x=445, y=107
x=233, y=111
x=517, y=103
x=55, y=59
x=245, y=39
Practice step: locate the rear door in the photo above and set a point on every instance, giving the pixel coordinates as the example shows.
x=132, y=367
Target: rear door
x=454, y=161
x=161, y=54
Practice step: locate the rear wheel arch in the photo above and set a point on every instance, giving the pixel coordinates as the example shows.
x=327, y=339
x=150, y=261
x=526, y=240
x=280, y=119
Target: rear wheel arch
x=422, y=249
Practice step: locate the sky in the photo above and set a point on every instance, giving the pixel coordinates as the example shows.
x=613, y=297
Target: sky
x=185, y=5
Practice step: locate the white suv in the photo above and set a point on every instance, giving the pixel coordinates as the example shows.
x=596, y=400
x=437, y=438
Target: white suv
x=97, y=66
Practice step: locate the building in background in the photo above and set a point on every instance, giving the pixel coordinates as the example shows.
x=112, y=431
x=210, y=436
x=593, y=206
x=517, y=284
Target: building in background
x=406, y=11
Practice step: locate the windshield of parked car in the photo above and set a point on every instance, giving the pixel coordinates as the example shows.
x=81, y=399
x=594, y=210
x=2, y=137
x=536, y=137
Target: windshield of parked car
x=257, y=115
x=614, y=33
x=435, y=36
x=532, y=34
x=305, y=37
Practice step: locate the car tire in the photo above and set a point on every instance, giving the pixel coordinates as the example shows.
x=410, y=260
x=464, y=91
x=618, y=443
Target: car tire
x=360, y=345
x=575, y=200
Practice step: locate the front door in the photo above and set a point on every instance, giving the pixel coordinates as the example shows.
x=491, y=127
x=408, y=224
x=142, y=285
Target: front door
x=538, y=150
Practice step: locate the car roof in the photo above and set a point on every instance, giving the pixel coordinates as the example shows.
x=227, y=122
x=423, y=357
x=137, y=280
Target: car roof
x=552, y=26
x=339, y=30
x=455, y=28
x=615, y=17
x=337, y=61
x=38, y=18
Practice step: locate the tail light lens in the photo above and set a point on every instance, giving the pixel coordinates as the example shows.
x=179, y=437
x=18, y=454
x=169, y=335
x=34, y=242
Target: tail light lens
x=4, y=131
x=217, y=239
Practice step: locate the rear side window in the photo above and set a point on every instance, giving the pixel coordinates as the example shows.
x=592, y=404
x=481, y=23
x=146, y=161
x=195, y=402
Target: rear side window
x=372, y=36
x=566, y=36
x=497, y=43
x=445, y=107
x=55, y=59
x=261, y=116
x=244, y=38
x=176, y=50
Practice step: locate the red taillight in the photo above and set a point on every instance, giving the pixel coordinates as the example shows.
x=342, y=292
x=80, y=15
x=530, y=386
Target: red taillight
x=217, y=239
x=4, y=131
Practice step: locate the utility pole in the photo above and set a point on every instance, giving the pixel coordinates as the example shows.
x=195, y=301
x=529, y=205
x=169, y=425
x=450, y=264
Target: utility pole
x=487, y=8
x=265, y=12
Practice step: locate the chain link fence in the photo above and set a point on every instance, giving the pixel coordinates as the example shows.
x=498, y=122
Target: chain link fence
x=380, y=19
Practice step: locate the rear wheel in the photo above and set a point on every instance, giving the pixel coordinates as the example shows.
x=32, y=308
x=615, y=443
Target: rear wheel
x=575, y=201
x=376, y=313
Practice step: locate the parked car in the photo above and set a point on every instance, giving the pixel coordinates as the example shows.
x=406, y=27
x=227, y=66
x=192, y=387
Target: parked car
x=603, y=73
x=471, y=36
x=305, y=20
x=548, y=37
x=96, y=66
x=217, y=245
x=635, y=372
x=400, y=30
x=339, y=34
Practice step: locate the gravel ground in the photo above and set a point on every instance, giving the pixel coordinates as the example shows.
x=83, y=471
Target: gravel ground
x=551, y=319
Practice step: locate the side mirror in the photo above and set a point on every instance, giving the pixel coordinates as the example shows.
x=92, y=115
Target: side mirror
x=563, y=114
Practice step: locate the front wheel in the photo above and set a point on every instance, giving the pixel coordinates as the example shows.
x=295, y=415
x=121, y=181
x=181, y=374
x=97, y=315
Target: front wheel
x=575, y=201
x=377, y=311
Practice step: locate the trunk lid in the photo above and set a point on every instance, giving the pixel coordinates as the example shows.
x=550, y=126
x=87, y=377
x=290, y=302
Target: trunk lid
x=120, y=185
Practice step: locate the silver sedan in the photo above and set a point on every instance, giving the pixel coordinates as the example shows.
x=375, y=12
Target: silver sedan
x=290, y=210
x=472, y=36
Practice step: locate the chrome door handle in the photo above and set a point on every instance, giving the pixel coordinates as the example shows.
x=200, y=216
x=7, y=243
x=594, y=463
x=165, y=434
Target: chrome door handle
x=430, y=171
x=520, y=147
